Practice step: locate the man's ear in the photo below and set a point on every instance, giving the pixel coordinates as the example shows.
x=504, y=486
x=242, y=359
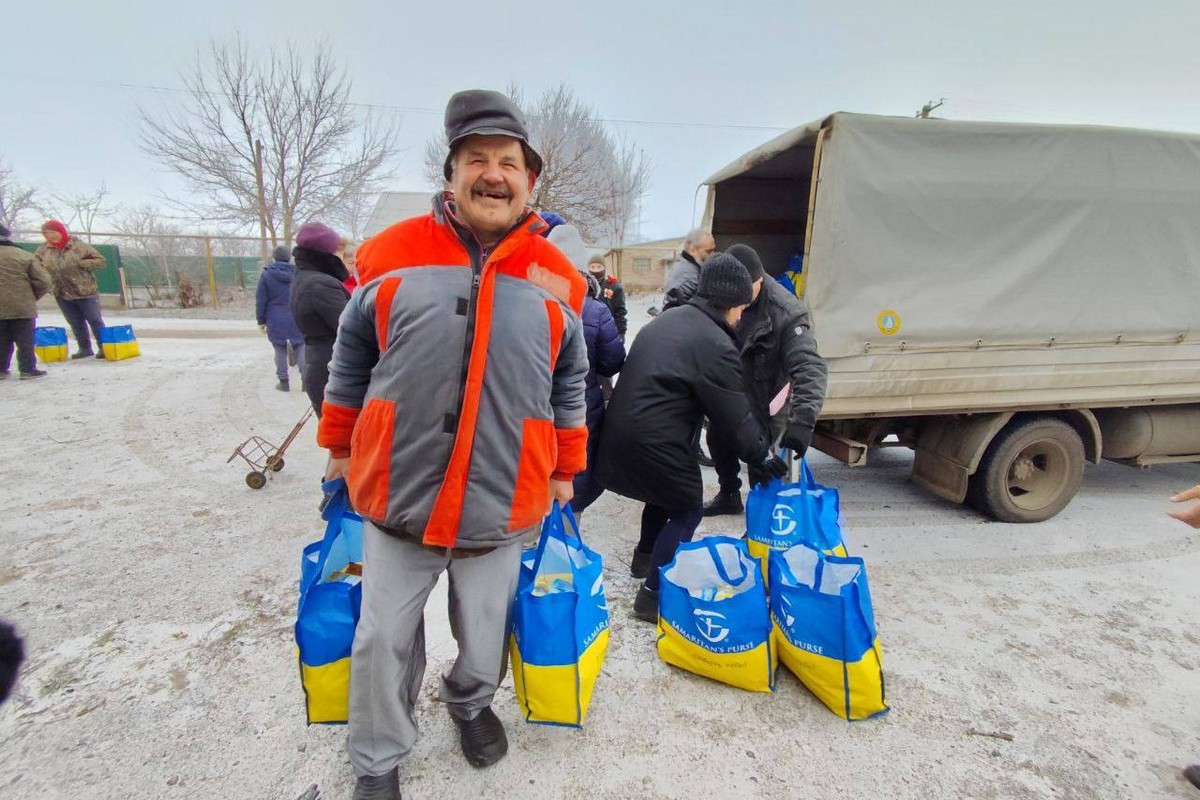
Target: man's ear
x=532, y=179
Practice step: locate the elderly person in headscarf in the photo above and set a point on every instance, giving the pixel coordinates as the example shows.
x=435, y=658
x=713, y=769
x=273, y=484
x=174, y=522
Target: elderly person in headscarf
x=73, y=265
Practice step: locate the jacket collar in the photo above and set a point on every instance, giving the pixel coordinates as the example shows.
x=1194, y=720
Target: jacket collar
x=445, y=213
x=316, y=261
x=717, y=315
x=756, y=319
x=689, y=258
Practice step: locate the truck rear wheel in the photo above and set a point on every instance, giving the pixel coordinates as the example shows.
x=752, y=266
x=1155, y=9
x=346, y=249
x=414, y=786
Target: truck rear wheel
x=1030, y=471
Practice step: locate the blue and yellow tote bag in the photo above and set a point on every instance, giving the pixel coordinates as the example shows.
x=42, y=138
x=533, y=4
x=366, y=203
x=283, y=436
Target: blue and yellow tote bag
x=560, y=625
x=118, y=342
x=712, y=614
x=330, y=604
x=782, y=515
x=50, y=344
x=824, y=629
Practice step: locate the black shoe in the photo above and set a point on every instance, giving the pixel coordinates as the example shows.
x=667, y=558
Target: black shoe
x=482, y=739
x=82, y=354
x=283, y=386
x=36, y=373
x=640, y=566
x=1192, y=775
x=378, y=787
x=726, y=502
x=645, y=605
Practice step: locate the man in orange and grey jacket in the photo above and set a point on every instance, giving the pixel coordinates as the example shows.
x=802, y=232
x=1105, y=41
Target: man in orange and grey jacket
x=455, y=412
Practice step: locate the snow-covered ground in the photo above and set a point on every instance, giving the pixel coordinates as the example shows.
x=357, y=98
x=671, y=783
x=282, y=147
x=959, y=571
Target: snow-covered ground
x=157, y=593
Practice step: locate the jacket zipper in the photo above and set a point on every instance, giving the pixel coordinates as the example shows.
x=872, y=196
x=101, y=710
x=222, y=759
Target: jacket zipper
x=469, y=340
x=479, y=256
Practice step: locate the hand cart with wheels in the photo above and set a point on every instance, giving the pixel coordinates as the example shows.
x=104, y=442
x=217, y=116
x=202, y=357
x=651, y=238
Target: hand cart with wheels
x=264, y=458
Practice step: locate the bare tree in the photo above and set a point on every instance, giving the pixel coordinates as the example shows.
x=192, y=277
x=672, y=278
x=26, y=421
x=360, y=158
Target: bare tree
x=15, y=198
x=270, y=143
x=353, y=214
x=85, y=209
x=151, y=238
x=593, y=179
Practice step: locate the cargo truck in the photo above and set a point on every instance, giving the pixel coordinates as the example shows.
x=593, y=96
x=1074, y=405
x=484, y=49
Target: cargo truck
x=1010, y=301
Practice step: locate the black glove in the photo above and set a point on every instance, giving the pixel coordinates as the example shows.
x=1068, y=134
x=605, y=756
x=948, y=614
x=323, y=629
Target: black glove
x=772, y=466
x=797, y=439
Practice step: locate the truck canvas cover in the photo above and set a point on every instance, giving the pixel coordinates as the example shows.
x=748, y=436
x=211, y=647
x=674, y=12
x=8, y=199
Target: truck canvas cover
x=971, y=265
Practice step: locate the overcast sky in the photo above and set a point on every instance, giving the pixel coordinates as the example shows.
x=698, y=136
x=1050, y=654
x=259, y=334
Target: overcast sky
x=695, y=83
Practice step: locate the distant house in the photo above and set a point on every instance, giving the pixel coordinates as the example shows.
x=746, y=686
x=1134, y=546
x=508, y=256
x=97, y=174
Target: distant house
x=643, y=267
x=391, y=207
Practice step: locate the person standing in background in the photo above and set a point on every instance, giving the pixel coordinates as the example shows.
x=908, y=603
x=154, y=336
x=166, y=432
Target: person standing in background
x=612, y=293
x=347, y=253
x=684, y=276
x=274, y=314
x=317, y=299
x=606, y=354
x=72, y=265
x=22, y=284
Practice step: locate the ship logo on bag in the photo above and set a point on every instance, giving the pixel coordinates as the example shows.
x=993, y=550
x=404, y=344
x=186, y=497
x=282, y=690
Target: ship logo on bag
x=711, y=625
x=788, y=616
x=783, y=520
x=598, y=591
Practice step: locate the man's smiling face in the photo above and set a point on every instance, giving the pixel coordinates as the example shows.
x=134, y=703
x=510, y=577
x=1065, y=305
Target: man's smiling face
x=491, y=185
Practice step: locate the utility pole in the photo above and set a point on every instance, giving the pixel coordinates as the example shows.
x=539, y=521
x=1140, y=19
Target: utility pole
x=262, y=199
x=930, y=107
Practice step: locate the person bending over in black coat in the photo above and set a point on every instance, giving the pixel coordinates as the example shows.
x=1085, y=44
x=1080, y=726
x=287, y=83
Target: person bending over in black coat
x=317, y=300
x=682, y=367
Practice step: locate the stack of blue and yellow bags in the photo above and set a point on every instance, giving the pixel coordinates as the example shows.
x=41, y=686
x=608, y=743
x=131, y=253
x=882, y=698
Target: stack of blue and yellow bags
x=717, y=617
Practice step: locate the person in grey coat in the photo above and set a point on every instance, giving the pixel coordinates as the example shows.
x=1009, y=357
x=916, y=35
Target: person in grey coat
x=778, y=350
x=684, y=276
x=274, y=314
x=22, y=283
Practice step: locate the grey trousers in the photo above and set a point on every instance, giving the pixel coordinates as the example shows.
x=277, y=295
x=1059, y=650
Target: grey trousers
x=388, y=659
x=281, y=359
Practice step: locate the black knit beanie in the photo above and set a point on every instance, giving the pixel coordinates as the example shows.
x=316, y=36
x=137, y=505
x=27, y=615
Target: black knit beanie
x=750, y=260
x=724, y=282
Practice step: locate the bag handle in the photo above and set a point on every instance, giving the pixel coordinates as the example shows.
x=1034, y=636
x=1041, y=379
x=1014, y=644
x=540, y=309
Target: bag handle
x=720, y=564
x=806, y=477
x=335, y=508
x=555, y=520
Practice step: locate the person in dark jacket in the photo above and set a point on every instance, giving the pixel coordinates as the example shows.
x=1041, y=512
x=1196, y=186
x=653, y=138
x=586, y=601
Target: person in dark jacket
x=606, y=354
x=612, y=292
x=682, y=367
x=274, y=312
x=12, y=653
x=778, y=353
x=684, y=276
x=317, y=299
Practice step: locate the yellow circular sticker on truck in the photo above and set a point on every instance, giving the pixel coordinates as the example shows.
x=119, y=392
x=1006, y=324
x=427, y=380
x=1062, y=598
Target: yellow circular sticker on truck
x=889, y=322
